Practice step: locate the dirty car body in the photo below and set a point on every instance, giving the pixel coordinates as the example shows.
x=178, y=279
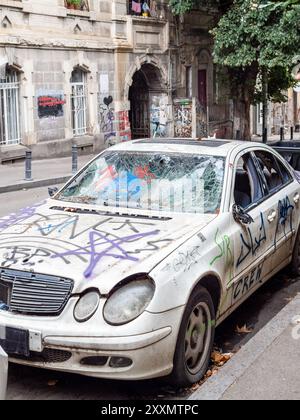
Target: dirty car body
x=99, y=279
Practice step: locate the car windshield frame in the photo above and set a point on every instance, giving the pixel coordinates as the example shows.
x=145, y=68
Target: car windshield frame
x=148, y=154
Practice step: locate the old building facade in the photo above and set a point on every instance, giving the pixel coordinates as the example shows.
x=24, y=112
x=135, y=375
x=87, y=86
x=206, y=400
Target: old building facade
x=103, y=72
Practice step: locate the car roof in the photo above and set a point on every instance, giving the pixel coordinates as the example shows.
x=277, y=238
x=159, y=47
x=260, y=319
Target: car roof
x=211, y=147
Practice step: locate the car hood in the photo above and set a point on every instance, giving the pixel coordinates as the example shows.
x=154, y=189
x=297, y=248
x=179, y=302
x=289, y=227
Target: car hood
x=92, y=246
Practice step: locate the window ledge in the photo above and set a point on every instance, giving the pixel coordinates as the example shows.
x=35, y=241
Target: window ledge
x=81, y=13
x=148, y=19
x=12, y=3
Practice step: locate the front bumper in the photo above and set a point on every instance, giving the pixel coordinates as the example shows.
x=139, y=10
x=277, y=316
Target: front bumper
x=63, y=344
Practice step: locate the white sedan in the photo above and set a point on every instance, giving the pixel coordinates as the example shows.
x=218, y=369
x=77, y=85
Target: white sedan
x=126, y=272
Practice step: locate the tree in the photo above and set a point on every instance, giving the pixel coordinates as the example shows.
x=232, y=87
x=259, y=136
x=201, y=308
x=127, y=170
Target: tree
x=258, y=42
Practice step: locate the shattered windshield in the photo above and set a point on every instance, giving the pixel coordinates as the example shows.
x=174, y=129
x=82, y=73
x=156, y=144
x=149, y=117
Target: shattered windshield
x=168, y=182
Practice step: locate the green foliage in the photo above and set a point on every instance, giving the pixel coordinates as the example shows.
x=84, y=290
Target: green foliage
x=179, y=7
x=253, y=36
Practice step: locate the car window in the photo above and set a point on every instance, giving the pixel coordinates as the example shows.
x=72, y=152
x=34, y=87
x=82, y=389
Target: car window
x=170, y=182
x=270, y=168
x=286, y=176
x=247, y=187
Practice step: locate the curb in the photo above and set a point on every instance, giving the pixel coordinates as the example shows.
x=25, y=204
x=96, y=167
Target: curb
x=216, y=386
x=34, y=184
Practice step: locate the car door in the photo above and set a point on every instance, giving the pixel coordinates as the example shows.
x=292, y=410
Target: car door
x=282, y=198
x=253, y=243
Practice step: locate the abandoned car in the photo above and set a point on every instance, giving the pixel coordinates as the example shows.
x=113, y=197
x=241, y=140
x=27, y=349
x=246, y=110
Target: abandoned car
x=127, y=270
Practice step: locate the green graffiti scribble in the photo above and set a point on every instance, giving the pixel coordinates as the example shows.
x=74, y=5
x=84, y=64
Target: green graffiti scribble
x=224, y=245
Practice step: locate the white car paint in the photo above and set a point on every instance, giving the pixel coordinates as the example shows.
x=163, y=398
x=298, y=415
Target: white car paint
x=3, y=373
x=191, y=247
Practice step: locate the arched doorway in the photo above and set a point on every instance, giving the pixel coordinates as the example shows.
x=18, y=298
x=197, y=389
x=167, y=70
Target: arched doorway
x=145, y=95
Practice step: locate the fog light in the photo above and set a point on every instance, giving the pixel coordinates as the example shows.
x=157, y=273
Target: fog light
x=94, y=361
x=120, y=362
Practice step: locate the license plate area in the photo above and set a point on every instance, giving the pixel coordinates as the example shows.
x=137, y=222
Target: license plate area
x=14, y=341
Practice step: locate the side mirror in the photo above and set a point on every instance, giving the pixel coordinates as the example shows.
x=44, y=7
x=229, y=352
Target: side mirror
x=241, y=216
x=52, y=191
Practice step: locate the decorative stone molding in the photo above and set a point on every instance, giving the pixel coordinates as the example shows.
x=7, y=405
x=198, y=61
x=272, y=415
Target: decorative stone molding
x=139, y=61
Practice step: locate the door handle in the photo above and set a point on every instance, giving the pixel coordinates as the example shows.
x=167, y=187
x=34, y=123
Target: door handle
x=272, y=216
x=296, y=198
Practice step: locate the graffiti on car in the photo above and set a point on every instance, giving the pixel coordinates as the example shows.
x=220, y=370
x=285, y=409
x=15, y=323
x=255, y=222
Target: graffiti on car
x=224, y=245
x=285, y=217
x=251, y=243
x=246, y=283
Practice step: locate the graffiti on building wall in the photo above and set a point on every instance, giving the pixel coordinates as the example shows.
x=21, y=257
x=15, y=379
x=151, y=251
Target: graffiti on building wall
x=183, y=118
x=50, y=104
x=107, y=118
x=159, y=116
x=124, y=125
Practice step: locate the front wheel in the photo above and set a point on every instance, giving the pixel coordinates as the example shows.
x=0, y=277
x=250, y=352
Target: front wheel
x=195, y=339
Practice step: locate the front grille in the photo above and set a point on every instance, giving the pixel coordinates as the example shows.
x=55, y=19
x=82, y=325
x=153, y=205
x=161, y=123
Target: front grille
x=36, y=294
x=47, y=356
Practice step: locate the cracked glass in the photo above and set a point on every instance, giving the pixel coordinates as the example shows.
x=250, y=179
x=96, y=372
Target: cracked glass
x=167, y=182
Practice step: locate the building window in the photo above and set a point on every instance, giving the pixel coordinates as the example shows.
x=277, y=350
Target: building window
x=9, y=109
x=78, y=102
x=77, y=4
x=145, y=8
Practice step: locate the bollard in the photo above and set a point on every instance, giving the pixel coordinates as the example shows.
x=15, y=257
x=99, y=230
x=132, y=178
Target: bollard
x=292, y=133
x=281, y=133
x=74, y=159
x=238, y=135
x=265, y=135
x=28, y=166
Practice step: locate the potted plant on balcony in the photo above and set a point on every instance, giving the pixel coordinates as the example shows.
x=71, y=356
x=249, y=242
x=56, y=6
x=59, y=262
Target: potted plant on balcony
x=73, y=4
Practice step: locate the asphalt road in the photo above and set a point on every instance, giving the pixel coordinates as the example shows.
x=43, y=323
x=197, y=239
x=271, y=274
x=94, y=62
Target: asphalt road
x=29, y=383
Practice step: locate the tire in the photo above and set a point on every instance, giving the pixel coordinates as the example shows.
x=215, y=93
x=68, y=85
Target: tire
x=295, y=264
x=193, y=350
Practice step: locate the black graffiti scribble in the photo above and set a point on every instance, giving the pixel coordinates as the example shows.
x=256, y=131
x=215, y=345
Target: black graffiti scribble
x=113, y=248
x=285, y=213
x=151, y=246
x=26, y=255
x=132, y=225
x=185, y=260
x=251, y=245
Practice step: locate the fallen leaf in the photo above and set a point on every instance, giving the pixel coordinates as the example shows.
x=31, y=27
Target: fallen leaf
x=243, y=330
x=220, y=358
x=52, y=382
x=195, y=387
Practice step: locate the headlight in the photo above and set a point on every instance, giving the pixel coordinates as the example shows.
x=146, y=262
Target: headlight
x=86, y=306
x=128, y=302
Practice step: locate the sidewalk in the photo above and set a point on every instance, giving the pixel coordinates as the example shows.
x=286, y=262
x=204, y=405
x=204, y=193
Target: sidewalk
x=44, y=173
x=276, y=138
x=266, y=368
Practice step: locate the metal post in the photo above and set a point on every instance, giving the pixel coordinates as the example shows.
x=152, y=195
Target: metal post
x=28, y=166
x=281, y=133
x=265, y=135
x=292, y=133
x=74, y=159
x=238, y=134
